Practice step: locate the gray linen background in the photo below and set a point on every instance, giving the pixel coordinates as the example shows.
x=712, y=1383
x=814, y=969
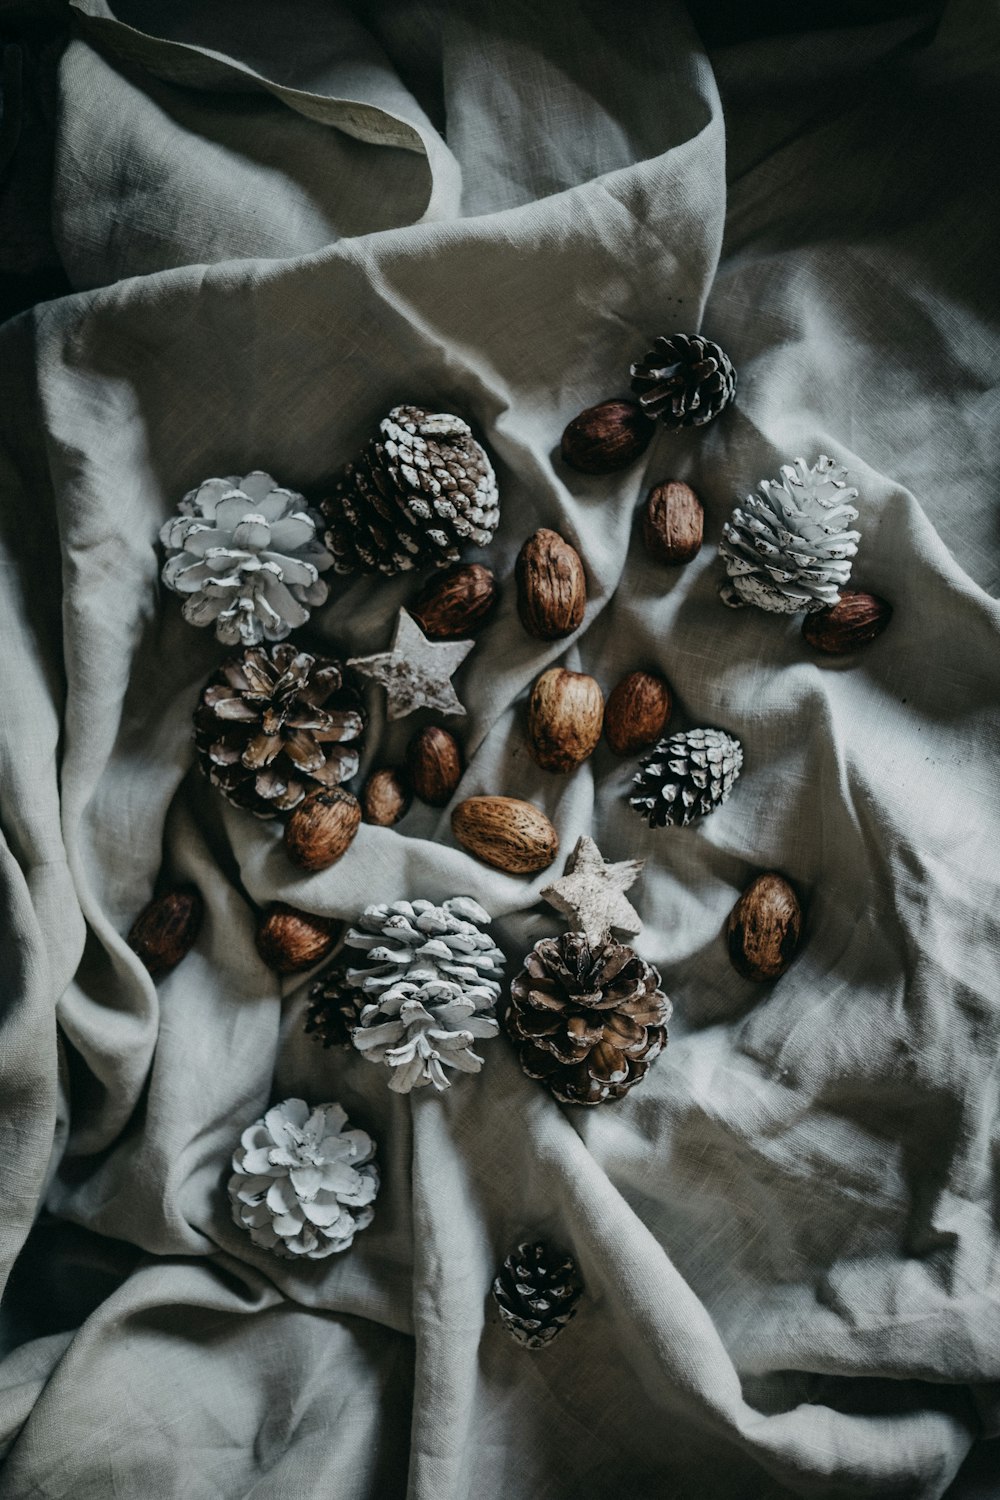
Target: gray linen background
x=788, y=1234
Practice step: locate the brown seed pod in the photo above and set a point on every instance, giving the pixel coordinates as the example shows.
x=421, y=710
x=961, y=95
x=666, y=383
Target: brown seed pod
x=386, y=797
x=565, y=714
x=321, y=828
x=165, y=931
x=506, y=833
x=854, y=621
x=764, y=927
x=606, y=437
x=637, y=712
x=289, y=940
x=551, y=586
x=454, y=605
x=434, y=763
x=673, y=523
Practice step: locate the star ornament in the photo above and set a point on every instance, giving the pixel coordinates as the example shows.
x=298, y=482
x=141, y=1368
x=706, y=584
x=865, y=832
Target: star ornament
x=591, y=894
x=415, y=672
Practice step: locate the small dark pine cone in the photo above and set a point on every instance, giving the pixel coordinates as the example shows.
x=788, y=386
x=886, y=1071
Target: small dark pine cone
x=333, y=1012
x=686, y=776
x=587, y=1019
x=685, y=380
x=536, y=1291
x=421, y=491
x=274, y=724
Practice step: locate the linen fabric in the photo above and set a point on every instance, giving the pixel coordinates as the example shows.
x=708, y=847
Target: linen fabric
x=281, y=222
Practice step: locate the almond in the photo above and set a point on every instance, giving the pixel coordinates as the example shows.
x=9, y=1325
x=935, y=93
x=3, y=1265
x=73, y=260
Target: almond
x=565, y=714
x=506, y=833
x=637, y=712
x=854, y=621
x=289, y=940
x=386, y=797
x=764, y=927
x=673, y=523
x=455, y=604
x=165, y=931
x=551, y=586
x=321, y=828
x=606, y=437
x=434, y=762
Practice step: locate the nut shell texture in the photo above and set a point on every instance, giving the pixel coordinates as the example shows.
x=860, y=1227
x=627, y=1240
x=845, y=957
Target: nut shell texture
x=565, y=714
x=506, y=833
x=551, y=586
x=606, y=437
x=764, y=928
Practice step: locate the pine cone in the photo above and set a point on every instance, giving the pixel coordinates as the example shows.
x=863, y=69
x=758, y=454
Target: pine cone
x=428, y=989
x=246, y=556
x=421, y=491
x=685, y=380
x=686, y=776
x=789, y=549
x=536, y=1292
x=333, y=1010
x=274, y=724
x=588, y=1018
x=302, y=1184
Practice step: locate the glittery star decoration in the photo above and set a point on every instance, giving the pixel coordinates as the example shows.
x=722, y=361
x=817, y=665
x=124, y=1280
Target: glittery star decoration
x=415, y=672
x=591, y=894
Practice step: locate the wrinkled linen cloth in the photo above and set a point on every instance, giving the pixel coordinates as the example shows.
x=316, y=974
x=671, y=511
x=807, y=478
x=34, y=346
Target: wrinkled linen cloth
x=281, y=221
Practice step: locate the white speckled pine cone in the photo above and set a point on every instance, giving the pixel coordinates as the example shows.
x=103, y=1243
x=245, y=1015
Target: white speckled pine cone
x=245, y=555
x=789, y=548
x=427, y=990
x=303, y=1184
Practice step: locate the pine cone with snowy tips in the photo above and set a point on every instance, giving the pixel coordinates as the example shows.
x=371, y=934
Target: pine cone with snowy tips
x=789, y=548
x=686, y=776
x=536, y=1292
x=245, y=555
x=421, y=491
x=428, y=989
x=588, y=1018
x=684, y=381
x=302, y=1183
x=274, y=724
x=332, y=1013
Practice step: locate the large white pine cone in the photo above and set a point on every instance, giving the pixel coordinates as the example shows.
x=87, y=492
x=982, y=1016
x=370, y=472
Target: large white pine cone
x=302, y=1183
x=428, y=989
x=246, y=555
x=789, y=548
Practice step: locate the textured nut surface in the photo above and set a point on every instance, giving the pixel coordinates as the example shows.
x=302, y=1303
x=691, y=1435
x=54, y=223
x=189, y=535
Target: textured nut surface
x=321, y=828
x=853, y=622
x=434, y=763
x=455, y=604
x=551, y=586
x=673, y=523
x=165, y=931
x=764, y=927
x=386, y=797
x=637, y=712
x=565, y=714
x=289, y=940
x=506, y=833
x=606, y=437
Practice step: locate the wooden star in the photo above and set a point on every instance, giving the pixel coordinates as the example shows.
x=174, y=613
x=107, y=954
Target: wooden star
x=591, y=894
x=415, y=672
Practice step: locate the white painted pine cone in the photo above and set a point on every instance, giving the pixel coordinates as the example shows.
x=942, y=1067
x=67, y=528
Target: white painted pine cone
x=246, y=557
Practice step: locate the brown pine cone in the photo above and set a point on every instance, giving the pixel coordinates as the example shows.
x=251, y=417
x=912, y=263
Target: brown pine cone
x=333, y=1009
x=588, y=1019
x=274, y=724
x=421, y=491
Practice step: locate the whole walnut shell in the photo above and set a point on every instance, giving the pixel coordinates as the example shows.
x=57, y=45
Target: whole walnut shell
x=637, y=712
x=854, y=621
x=322, y=828
x=551, y=586
x=289, y=940
x=434, y=763
x=506, y=833
x=565, y=714
x=386, y=797
x=606, y=437
x=164, y=932
x=673, y=523
x=456, y=603
x=764, y=927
